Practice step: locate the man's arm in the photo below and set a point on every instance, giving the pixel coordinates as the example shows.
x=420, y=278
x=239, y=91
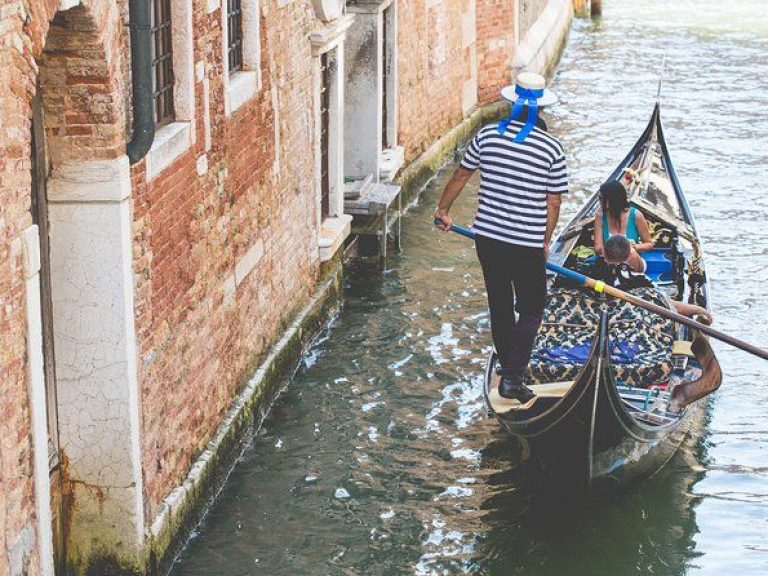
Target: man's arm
x=553, y=215
x=452, y=190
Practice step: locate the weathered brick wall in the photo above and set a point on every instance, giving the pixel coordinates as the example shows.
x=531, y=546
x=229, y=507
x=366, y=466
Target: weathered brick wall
x=200, y=333
x=433, y=65
x=495, y=47
x=201, y=328
x=17, y=515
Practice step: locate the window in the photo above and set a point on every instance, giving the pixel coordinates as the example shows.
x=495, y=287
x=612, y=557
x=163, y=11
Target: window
x=385, y=82
x=241, y=52
x=173, y=83
x=235, y=35
x=162, y=62
x=325, y=134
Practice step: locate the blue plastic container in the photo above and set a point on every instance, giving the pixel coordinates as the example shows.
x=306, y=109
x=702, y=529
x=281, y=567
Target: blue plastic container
x=659, y=262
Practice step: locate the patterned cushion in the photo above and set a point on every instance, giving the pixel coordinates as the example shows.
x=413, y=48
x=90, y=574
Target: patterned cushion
x=641, y=341
x=571, y=306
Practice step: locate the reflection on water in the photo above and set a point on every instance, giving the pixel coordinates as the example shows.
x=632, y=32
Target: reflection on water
x=380, y=459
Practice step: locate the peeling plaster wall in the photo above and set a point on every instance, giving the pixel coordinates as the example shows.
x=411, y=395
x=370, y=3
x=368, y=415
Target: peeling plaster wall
x=364, y=93
x=80, y=75
x=92, y=287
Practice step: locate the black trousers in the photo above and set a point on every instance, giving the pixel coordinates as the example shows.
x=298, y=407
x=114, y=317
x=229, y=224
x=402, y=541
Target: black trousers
x=515, y=279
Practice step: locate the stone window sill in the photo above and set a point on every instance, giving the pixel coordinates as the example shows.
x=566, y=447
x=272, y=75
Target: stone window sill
x=333, y=232
x=390, y=162
x=329, y=35
x=243, y=86
x=171, y=141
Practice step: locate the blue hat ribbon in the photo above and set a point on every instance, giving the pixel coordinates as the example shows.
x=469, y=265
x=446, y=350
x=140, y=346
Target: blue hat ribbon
x=525, y=96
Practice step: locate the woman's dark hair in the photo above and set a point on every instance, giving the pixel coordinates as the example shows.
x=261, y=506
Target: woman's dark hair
x=613, y=199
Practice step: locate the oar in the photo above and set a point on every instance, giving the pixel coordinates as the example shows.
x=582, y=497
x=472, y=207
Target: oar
x=601, y=287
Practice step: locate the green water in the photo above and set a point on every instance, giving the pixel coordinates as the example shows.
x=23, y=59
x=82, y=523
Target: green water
x=379, y=458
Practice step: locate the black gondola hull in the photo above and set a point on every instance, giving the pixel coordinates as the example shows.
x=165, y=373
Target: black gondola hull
x=587, y=440
x=590, y=437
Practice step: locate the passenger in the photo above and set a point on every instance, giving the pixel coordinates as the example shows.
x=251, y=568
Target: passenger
x=618, y=250
x=616, y=216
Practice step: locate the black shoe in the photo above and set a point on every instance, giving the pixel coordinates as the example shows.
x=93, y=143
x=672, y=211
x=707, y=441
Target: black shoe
x=513, y=389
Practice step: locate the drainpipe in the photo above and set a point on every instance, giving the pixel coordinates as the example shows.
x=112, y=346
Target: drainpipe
x=139, y=18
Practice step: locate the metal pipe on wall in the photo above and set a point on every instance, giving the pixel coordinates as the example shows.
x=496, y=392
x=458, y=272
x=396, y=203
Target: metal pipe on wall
x=140, y=22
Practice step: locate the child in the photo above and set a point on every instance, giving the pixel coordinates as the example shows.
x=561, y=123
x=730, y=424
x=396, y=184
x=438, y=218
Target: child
x=618, y=250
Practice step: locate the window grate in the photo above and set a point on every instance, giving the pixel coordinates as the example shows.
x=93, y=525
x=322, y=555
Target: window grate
x=384, y=81
x=325, y=122
x=162, y=62
x=235, y=34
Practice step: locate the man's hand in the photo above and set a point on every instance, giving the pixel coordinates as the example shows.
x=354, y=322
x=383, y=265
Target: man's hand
x=452, y=190
x=445, y=221
x=546, y=251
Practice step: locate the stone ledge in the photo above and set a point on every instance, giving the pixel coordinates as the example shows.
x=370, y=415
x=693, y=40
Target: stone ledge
x=171, y=141
x=333, y=232
x=96, y=181
x=186, y=505
x=392, y=160
x=325, y=37
x=243, y=86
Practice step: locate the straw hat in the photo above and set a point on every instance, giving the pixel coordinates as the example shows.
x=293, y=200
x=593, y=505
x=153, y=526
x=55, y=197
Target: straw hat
x=529, y=81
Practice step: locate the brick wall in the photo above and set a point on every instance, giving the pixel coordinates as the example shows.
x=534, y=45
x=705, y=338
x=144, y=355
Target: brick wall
x=432, y=68
x=202, y=322
x=200, y=327
x=495, y=47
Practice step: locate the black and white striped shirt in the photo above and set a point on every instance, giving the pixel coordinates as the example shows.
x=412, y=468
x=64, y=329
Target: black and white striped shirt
x=515, y=180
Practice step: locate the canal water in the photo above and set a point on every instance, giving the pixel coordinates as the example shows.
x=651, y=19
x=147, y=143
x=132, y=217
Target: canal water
x=380, y=459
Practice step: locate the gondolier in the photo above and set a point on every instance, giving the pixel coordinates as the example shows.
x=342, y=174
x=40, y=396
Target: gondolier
x=523, y=175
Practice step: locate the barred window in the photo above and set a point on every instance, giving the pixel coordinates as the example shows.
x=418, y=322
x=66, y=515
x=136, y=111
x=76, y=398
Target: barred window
x=325, y=124
x=235, y=34
x=385, y=81
x=162, y=62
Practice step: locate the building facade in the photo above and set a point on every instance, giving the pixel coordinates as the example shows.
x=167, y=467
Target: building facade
x=156, y=257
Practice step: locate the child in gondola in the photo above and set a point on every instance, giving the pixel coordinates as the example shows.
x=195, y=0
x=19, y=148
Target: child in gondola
x=628, y=271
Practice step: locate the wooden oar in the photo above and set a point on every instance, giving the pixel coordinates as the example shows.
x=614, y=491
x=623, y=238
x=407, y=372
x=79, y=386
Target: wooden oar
x=602, y=288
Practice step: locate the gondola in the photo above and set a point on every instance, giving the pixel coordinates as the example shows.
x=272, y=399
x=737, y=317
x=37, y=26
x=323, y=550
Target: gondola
x=617, y=388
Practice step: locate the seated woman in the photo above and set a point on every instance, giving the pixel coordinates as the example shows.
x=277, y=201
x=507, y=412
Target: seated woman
x=617, y=216
x=618, y=250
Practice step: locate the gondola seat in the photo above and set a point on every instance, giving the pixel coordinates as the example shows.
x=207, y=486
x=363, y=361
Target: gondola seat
x=641, y=342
